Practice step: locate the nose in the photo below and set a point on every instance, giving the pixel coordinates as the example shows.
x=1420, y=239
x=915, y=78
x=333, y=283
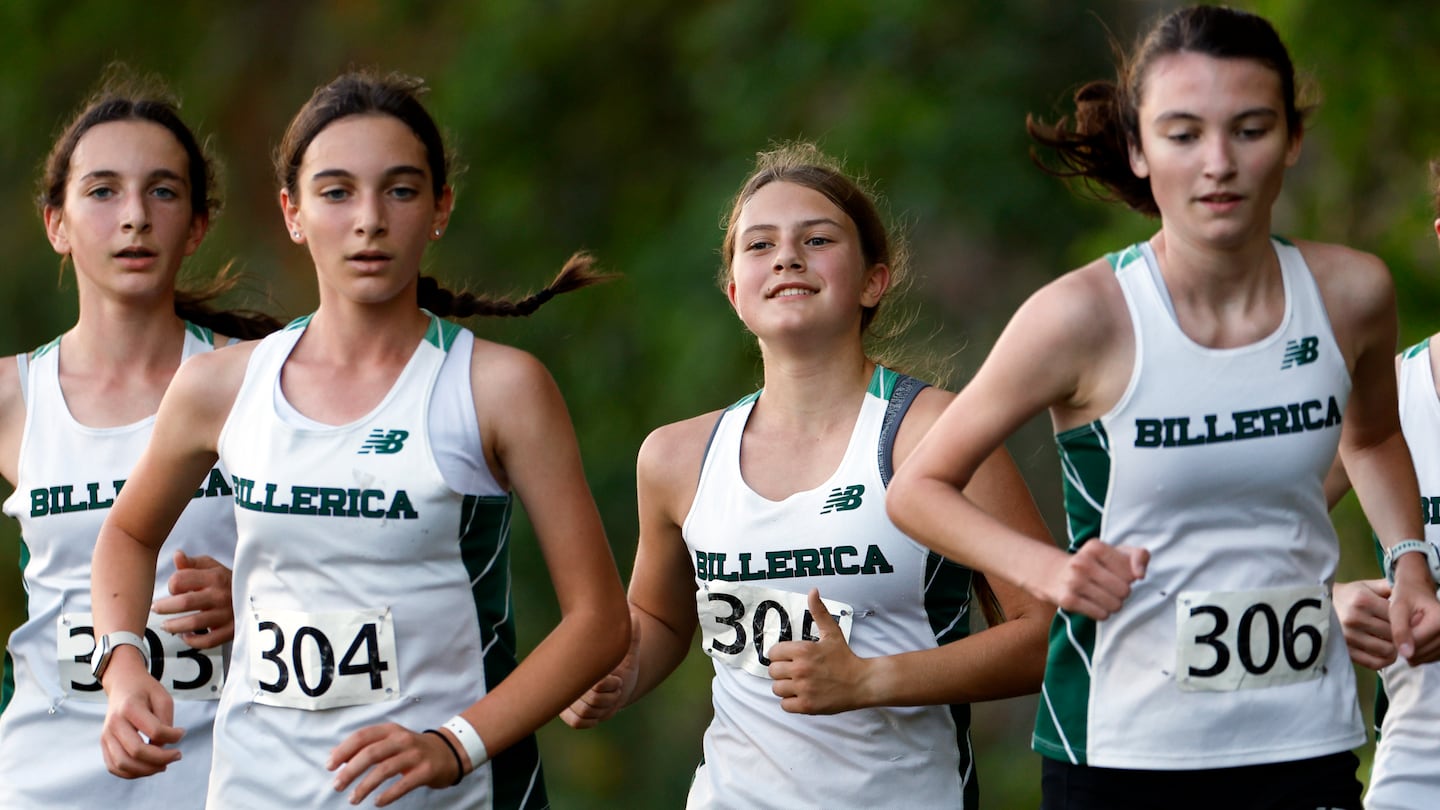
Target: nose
x=1220, y=158
x=789, y=257
x=371, y=218
x=135, y=216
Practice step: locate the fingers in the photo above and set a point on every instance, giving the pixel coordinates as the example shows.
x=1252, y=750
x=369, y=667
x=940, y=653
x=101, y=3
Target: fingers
x=1096, y=579
x=599, y=703
x=374, y=755
x=825, y=624
x=137, y=729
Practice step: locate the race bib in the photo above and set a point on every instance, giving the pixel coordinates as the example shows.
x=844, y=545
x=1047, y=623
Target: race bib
x=185, y=672
x=740, y=622
x=316, y=661
x=1228, y=640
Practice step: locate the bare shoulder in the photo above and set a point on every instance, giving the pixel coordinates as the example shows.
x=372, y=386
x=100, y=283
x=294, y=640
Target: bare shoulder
x=923, y=413
x=1351, y=281
x=207, y=383
x=12, y=417
x=667, y=467
x=504, y=374
x=12, y=401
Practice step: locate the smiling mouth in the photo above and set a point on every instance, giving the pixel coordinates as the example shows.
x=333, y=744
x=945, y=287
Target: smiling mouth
x=791, y=292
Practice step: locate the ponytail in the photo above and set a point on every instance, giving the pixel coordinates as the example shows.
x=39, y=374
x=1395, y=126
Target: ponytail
x=1095, y=146
x=196, y=306
x=578, y=272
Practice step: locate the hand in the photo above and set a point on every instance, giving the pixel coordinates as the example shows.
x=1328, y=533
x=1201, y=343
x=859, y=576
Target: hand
x=201, y=588
x=389, y=750
x=612, y=693
x=1414, y=611
x=818, y=677
x=1095, y=580
x=138, y=705
x=1364, y=610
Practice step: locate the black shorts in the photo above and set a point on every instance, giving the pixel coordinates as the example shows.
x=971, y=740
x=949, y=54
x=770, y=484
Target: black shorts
x=1321, y=783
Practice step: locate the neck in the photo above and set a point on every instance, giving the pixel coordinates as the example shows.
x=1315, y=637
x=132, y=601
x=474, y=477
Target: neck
x=1205, y=273
x=812, y=392
x=122, y=335
x=346, y=331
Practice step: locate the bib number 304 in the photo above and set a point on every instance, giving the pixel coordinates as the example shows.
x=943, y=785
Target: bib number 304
x=1230, y=640
x=316, y=661
x=739, y=622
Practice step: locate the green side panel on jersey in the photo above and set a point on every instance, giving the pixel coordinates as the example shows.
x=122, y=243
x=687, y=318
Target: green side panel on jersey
x=882, y=382
x=947, y=605
x=1416, y=349
x=1062, y=720
x=485, y=548
x=207, y=335
x=40, y=352
x=7, y=679
x=1120, y=258
x=441, y=333
x=1382, y=706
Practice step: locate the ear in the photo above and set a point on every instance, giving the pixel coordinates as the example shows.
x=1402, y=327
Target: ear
x=1292, y=152
x=730, y=295
x=199, y=226
x=1437, y=229
x=290, y=210
x=443, y=207
x=54, y=220
x=877, y=281
x=1138, y=164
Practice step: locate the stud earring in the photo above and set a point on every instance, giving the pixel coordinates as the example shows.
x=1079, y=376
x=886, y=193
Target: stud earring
x=295, y=234
x=437, y=233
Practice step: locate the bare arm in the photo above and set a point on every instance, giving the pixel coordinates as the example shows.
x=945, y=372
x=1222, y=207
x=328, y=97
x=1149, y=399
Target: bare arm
x=12, y=418
x=662, y=586
x=523, y=420
x=181, y=451
x=1069, y=349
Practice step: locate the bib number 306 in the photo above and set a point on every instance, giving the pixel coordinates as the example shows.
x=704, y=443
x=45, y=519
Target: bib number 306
x=316, y=661
x=739, y=622
x=1232, y=640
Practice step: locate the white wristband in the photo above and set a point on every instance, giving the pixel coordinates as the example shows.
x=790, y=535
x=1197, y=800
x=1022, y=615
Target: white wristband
x=469, y=739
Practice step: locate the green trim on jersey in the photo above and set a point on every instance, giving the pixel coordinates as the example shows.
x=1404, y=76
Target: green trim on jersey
x=485, y=548
x=1120, y=258
x=299, y=323
x=1416, y=349
x=1282, y=240
x=40, y=352
x=882, y=382
x=745, y=400
x=947, y=604
x=203, y=333
x=1062, y=720
x=441, y=334
x=7, y=679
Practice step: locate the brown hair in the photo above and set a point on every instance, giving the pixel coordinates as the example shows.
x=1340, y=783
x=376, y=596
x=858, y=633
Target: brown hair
x=397, y=95
x=805, y=165
x=126, y=97
x=1095, y=145
x=1435, y=185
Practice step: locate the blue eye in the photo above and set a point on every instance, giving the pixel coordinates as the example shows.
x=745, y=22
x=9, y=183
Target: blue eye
x=166, y=193
x=404, y=193
x=1182, y=137
x=334, y=194
x=101, y=192
x=758, y=244
x=818, y=241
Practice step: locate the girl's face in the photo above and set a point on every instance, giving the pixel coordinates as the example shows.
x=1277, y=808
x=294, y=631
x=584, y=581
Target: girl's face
x=1215, y=145
x=126, y=221
x=365, y=207
x=798, y=266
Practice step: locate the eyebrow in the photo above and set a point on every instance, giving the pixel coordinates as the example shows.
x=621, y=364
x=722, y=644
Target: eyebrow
x=1180, y=115
x=808, y=223
x=108, y=174
x=393, y=171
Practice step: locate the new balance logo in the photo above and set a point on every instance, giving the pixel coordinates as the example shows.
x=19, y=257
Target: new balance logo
x=1302, y=351
x=843, y=500
x=384, y=442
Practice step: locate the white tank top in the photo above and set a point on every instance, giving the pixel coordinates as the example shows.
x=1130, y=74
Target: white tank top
x=69, y=475
x=1405, y=775
x=1213, y=460
x=367, y=589
x=755, y=561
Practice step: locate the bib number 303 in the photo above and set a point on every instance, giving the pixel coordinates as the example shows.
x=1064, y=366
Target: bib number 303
x=316, y=661
x=185, y=672
x=739, y=622
x=1230, y=640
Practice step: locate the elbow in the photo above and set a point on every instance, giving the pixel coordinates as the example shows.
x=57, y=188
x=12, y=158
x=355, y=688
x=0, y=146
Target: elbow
x=901, y=503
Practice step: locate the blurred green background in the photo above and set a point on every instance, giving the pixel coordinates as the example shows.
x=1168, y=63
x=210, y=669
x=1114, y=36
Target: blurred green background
x=625, y=127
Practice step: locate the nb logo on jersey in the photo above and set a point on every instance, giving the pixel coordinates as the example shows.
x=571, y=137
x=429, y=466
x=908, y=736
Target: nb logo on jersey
x=384, y=442
x=1302, y=351
x=843, y=500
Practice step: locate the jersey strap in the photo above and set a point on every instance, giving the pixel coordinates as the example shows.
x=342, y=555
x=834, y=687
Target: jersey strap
x=901, y=398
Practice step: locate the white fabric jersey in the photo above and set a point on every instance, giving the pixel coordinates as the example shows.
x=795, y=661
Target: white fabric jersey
x=1407, y=757
x=69, y=475
x=755, y=561
x=1213, y=460
x=367, y=590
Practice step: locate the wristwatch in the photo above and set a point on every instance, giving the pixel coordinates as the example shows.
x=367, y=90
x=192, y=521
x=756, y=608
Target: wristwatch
x=105, y=648
x=1432, y=557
